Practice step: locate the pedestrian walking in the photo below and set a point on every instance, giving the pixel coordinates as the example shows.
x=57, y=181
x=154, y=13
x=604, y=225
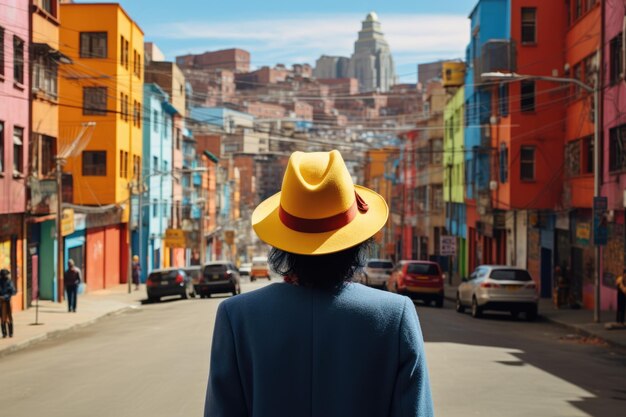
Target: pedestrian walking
x=621, y=298
x=318, y=344
x=7, y=290
x=136, y=271
x=71, y=279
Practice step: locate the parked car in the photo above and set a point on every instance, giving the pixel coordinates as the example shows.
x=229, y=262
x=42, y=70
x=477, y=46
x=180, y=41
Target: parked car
x=218, y=277
x=376, y=272
x=260, y=268
x=168, y=281
x=494, y=287
x=422, y=280
x=245, y=268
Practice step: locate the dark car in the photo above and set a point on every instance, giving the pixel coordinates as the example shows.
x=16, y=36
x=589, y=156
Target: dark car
x=421, y=280
x=218, y=277
x=169, y=281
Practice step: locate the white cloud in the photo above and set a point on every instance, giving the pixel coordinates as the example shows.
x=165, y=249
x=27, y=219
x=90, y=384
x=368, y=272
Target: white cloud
x=410, y=36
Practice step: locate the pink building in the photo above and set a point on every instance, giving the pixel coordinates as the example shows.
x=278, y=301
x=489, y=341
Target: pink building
x=14, y=134
x=614, y=149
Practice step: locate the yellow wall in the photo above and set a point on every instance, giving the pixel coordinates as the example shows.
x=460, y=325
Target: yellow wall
x=111, y=133
x=45, y=113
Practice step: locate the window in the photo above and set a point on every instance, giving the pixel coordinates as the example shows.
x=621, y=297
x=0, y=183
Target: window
x=123, y=164
x=93, y=45
x=45, y=73
x=18, y=60
x=164, y=205
x=48, y=147
x=572, y=159
x=578, y=9
x=49, y=6
x=504, y=99
x=588, y=160
x=436, y=151
x=94, y=163
x=591, y=69
x=136, y=166
x=528, y=96
x=504, y=163
x=529, y=25
x=123, y=52
x=527, y=163
x=1, y=53
x=155, y=207
x=616, y=59
x=155, y=164
x=137, y=63
x=137, y=113
x=18, y=150
x=617, y=150
x=178, y=138
x=155, y=120
x=1, y=147
x=437, y=191
x=95, y=101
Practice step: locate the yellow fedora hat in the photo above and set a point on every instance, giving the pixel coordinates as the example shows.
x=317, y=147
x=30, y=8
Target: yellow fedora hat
x=319, y=210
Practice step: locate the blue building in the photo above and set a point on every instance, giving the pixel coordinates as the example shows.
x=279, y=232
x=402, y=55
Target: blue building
x=157, y=175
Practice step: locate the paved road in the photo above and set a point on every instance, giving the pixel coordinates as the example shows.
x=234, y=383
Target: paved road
x=154, y=362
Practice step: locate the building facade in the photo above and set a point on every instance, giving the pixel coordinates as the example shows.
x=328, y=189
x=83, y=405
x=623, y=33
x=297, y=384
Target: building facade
x=15, y=86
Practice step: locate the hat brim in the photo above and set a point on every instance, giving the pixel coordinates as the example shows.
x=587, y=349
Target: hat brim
x=270, y=229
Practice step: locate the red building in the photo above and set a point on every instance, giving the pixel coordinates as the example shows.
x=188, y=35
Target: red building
x=236, y=60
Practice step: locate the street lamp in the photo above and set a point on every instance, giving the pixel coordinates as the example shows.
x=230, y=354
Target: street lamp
x=499, y=76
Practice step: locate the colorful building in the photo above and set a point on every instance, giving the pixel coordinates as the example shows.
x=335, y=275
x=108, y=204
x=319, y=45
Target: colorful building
x=454, y=176
x=15, y=87
x=583, y=37
x=104, y=86
x=614, y=150
x=157, y=175
x=527, y=138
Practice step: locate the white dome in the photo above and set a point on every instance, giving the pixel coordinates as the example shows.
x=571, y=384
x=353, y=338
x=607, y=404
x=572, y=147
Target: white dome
x=372, y=17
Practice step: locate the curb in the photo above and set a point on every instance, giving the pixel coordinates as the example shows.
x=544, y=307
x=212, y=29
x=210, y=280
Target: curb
x=59, y=332
x=578, y=330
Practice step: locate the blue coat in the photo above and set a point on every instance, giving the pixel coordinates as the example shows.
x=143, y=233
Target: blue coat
x=290, y=351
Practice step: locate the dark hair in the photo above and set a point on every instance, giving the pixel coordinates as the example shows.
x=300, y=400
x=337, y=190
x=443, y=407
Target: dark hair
x=328, y=272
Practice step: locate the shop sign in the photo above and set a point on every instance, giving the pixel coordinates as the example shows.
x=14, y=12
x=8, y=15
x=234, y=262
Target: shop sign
x=447, y=246
x=600, y=223
x=175, y=238
x=67, y=222
x=583, y=233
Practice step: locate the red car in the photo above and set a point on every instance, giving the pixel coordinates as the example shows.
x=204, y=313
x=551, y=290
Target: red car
x=422, y=280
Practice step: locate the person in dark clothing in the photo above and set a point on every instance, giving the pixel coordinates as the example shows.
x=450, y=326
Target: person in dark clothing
x=136, y=272
x=7, y=290
x=71, y=279
x=621, y=299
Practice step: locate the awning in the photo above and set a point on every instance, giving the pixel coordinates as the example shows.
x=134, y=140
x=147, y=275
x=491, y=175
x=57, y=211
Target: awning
x=60, y=57
x=211, y=156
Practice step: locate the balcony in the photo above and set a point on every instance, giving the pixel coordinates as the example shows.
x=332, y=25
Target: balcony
x=497, y=55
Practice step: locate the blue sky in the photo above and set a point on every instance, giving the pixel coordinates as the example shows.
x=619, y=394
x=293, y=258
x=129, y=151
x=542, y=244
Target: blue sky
x=279, y=31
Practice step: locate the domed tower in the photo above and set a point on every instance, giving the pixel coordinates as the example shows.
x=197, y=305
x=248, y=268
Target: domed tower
x=372, y=63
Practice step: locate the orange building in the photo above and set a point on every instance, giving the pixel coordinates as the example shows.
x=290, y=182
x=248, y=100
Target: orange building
x=104, y=86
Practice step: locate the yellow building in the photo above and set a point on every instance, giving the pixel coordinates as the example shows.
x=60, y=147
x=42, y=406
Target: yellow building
x=105, y=86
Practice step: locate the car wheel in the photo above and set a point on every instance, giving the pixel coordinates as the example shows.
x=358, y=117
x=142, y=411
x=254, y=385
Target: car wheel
x=514, y=314
x=459, y=306
x=439, y=302
x=476, y=310
x=252, y=279
x=532, y=314
x=152, y=299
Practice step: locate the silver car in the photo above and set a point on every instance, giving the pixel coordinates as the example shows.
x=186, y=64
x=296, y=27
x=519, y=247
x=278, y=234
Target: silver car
x=503, y=288
x=376, y=272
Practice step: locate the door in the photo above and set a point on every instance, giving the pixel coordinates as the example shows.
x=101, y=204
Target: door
x=465, y=289
x=76, y=254
x=546, y=273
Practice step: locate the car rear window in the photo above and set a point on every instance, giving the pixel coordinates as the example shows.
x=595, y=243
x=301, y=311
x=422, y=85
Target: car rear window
x=163, y=275
x=422, y=269
x=510, y=275
x=194, y=272
x=380, y=265
x=215, y=269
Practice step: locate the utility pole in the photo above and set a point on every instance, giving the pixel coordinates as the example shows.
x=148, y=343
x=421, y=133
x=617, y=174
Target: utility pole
x=59, y=226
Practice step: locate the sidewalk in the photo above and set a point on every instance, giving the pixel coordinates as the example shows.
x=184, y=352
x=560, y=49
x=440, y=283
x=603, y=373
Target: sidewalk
x=578, y=321
x=54, y=318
